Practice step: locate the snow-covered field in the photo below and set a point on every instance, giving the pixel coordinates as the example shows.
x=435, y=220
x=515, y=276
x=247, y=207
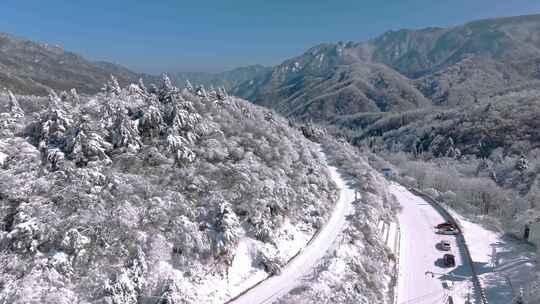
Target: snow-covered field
x=276, y=286
x=422, y=275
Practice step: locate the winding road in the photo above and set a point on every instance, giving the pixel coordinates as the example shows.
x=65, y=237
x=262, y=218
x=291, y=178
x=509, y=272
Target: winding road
x=422, y=278
x=274, y=287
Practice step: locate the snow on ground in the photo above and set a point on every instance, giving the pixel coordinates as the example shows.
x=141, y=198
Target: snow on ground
x=276, y=286
x=503, y=264
x=243, y=274
x=419, y=257
x=3, y=158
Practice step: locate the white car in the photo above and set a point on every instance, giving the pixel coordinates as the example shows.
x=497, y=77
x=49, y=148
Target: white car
x=447, y=231
x=444, y=245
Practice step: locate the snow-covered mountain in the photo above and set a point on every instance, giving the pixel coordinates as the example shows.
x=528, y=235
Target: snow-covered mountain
x=403, y=70
x=165, y=195
x=27, y=67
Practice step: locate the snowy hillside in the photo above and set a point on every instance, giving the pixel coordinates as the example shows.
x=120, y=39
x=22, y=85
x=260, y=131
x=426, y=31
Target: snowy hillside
x=153, y=195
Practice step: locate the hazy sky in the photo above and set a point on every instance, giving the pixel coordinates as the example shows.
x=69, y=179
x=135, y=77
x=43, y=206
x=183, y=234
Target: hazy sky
x=202, y=35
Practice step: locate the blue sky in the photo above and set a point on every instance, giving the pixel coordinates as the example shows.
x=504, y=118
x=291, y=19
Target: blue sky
x=201, y=35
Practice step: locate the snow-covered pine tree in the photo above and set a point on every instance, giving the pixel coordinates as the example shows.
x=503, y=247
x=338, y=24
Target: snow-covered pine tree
x=179, y=147
x=226, y=231
x=222, y=94
x=167, y=92
x=85, y=145
x=14, y=107
x=125, y=132
x=212, y=93
x=201, y=92
x=189, y=86
x=170, y=294
x=151, y=123
x=53, y=126
x=142, y=86
x=128, y=285
x=112, y=86
x=522, y=164
x=75, y=99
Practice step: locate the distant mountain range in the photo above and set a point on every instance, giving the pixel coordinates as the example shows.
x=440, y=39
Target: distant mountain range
x=228, y=79
x=397, y=71
x=403, y=70
x=28, y=67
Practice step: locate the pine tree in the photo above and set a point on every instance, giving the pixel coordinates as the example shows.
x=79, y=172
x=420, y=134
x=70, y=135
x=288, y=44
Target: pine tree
x=125, y=132
x=167, y=91
x=170, y=294
x=178, y=146
x=112, y=86
x=53, y=125
x=226, y=229
x=189, y=86
x=76, y=100
x=14, y=107
x=142, y=86
x=86, y=145
x=201, y=92
x=151, y=122
x=522, y=164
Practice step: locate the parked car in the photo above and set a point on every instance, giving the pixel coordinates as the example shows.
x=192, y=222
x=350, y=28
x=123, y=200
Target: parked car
x=447, y=231
x=449, y=260
x=446, y=225
x=443, y=245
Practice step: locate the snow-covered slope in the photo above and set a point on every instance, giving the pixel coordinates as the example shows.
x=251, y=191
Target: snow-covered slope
x=504, y=264
x=274, y=287
x=137, y=194
x=168, y=195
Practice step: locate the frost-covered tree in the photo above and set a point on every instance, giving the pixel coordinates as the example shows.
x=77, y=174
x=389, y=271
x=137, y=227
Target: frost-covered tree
x=178, y=146
x=125, y=132
x=189, y=86
x=54, y=157
x=167, y=92
x=201, y=92
x=14, y=107
x=75, y=96
x=226, y=230
x=171, y=294
x=522, y=164
x=151, y=123
x=128, y=285
x=142, y=86
x=85, y=144
x=52, y=127
x=112, y=86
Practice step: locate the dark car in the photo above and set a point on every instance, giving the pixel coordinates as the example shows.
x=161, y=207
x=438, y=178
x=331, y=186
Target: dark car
x=446, y=225
x=449, y=260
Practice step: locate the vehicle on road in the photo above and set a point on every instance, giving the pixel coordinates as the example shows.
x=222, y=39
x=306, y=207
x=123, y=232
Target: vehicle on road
x=443, y=245
x=446, y=225
x=449, y=260
x=447, y=231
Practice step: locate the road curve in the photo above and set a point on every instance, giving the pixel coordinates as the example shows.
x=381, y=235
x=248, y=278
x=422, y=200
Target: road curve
x=274, y=287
